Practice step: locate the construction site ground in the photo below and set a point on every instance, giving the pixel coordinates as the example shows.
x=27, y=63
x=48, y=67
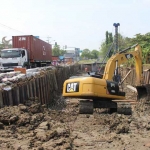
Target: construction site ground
x=36, y=127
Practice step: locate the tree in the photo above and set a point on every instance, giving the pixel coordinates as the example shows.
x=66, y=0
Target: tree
x=144, y=41
x=2, y=46
x=124, y=42
x=56, y=50
x=62, y=52
x=107, y=39
x=94, y=54
x=107, y=44
x=86, y=54
x=110, y=38
x=104, y=48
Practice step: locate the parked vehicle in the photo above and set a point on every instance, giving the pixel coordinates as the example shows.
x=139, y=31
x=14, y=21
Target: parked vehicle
x=27, y=51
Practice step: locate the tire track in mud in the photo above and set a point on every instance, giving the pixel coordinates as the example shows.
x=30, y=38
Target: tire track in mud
x=86, y=137
x=108, y=131
x=86, y=131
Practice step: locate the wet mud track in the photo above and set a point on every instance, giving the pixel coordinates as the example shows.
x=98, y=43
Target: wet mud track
x=112, y=131
x=32, y=126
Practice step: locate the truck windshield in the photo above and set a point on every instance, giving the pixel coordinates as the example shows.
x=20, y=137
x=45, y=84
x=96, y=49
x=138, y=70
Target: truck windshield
x=10, y=53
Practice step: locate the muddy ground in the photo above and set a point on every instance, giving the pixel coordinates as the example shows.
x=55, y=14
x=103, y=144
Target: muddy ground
x=32, y=126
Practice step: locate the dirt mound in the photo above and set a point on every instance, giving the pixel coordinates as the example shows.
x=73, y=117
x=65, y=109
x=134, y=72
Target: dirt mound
x=31, y=125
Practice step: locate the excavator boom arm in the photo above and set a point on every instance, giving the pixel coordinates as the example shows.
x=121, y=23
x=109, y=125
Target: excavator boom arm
x=121, y=58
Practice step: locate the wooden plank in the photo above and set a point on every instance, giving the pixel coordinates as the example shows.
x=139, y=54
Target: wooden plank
x=125, y=100
x=148, y=82
x=147, y=70
x=126, y=76
x=132, y=88
x=143, y=76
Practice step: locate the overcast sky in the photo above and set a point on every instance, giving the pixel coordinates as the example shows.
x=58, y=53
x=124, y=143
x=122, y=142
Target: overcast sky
x=75, y=23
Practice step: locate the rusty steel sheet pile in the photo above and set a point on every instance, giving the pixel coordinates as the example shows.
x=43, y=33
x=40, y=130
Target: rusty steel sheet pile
x=41, y=83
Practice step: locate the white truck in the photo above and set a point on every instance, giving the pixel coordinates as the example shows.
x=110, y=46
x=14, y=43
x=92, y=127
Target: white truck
x=13, y=58
x=28, y=51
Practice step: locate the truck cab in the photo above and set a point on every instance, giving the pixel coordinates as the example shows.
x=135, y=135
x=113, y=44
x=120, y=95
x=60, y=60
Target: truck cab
x=13, y=58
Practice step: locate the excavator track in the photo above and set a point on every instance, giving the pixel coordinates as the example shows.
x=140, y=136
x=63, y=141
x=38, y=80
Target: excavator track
x=86, y=107
x=124, y=108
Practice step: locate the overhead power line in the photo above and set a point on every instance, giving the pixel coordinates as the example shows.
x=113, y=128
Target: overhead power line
x=10, y=28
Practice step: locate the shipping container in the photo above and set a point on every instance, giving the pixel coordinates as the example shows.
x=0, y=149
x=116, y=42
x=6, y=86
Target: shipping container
x=38, y=50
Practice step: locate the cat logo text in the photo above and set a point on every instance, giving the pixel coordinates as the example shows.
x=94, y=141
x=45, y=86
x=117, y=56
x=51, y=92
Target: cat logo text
x=72, y=87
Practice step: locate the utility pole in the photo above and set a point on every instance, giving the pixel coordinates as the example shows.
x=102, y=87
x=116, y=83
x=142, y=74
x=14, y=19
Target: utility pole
x=48, y=39
x=116, y=36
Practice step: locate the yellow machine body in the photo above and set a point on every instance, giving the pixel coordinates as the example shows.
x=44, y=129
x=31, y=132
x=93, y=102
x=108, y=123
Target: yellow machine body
x=88, y=87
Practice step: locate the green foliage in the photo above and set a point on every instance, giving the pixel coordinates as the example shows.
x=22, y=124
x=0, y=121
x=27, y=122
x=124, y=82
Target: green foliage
x=110, y=38
x=56, y=50
x=124, y=42
x=104, y=49
x=106, y=37
x=145, y=53
x=144, y=41
x=94, y=54
x=86, y=54
x=106, y=45
x=2, y=46
x=62, y=52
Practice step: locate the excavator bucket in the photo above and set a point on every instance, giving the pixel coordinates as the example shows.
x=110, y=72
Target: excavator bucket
x=143, y=92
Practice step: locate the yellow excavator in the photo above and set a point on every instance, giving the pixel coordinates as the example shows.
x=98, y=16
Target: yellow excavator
x=97, y=91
